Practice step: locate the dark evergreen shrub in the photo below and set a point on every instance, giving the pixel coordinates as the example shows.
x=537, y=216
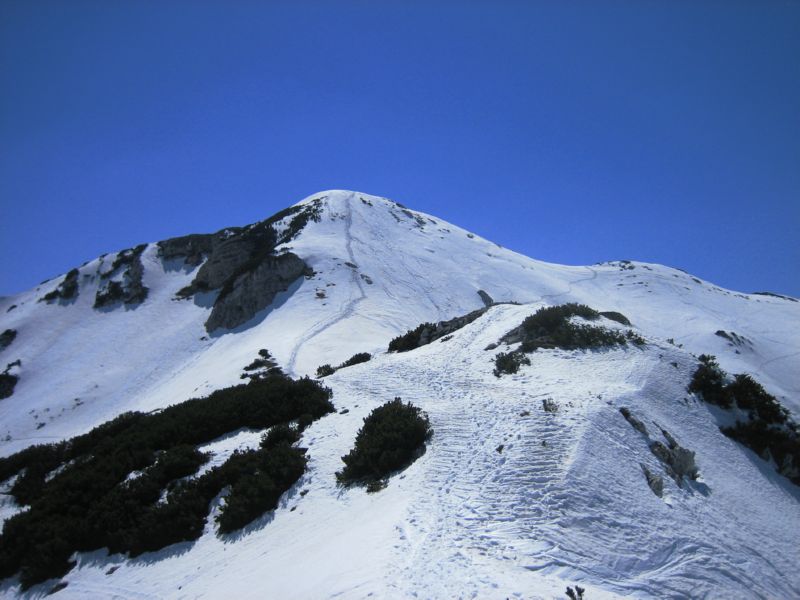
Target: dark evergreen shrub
x=356, y=359
x=709, y=381
x=7, y=384
x=7, y=337
x=325, y=370
x=91, y=502
x=634, y=338
x=751, y=396
x=392, y=436
x=410, y=339
x=616, y=316
x=509, y=362
x=548, y=319
x=780, y=443
x=550, y=327
x=252, y=495
x=280, y=434
x=768, y=431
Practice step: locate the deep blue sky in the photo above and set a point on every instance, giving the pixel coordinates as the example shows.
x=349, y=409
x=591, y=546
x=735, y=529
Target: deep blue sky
x=573, y=132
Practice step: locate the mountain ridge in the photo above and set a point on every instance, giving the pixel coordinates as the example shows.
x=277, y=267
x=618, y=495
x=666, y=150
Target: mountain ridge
x=523, y=520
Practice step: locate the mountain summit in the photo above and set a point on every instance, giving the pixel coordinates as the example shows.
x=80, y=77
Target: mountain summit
x=578, y=447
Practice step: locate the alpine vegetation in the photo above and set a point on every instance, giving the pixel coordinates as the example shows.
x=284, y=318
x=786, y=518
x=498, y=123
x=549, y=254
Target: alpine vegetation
x=392, y=437
x=128, y=484
x=555, y=327
x=761, y=423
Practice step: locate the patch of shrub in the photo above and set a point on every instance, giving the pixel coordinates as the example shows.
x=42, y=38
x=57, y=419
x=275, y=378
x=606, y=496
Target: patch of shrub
x=709, y=381
x=616, y=316
x=277, y=469
x=548, y=319
x=279, y=434
x=325, y=370
x=551, y=327
x=572, y=336
x=410, y=339
x=768, y=441
x=768, y=431
x=509, y=362
x=392, y=437
x=750, y=395
x=7, y=384
x=82, y=497
x=8, y=336
x=425, y=333
x=356, y=359
x=635, y=338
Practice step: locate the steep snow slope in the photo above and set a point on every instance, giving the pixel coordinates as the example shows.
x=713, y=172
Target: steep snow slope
x=465, y=520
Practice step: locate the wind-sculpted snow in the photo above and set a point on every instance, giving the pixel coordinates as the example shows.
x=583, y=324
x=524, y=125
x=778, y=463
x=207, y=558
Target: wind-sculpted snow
x=510, y=500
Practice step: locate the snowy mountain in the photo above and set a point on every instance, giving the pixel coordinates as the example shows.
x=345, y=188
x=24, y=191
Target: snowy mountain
x=532, y=481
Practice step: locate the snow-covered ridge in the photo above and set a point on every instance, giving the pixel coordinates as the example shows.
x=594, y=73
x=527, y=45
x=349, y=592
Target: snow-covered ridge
x=380, y=269
x=465, y=519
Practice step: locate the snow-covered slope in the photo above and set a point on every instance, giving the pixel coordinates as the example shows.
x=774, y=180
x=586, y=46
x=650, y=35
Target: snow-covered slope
x=564, y=501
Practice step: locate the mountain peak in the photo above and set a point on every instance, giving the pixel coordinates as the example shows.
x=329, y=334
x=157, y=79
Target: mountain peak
x=526, y=470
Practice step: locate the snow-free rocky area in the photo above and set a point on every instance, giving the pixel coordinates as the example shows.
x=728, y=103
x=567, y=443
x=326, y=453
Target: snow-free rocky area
x=509, y=501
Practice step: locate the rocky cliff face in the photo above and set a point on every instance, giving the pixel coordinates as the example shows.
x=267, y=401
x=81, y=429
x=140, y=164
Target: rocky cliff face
x=254, y=290
x=242, y=263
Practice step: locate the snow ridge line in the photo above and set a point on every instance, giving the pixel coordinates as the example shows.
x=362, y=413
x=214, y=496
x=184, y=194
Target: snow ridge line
x=349, y=308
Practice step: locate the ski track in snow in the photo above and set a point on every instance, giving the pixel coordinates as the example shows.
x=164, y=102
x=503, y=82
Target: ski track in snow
x=350, y=306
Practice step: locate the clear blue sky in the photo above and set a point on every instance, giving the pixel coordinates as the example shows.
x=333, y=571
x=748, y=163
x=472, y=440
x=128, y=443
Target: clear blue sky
x=573, y=132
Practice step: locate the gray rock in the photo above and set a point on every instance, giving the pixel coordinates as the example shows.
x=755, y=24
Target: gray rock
x=229, y=256
x=130, y=290
x=656, y=482
x=192, y=248
x=549, y=405
x=679, y=462
x=67, y=289
x=487, y=299
x=254, y=290
x=634, y=422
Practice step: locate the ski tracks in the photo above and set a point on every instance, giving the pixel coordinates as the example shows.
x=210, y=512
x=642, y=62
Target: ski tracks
x=350, y=306
x=492, y=475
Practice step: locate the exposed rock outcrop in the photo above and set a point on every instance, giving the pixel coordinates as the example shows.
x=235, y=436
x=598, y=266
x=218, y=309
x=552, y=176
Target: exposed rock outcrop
x=678, y=461
x=66, y=290
x=486, y=298
x=130, y=289
x=191, y=248
x=254, y=290
x=656, y=482
x=634, y=422
x=242, y=263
